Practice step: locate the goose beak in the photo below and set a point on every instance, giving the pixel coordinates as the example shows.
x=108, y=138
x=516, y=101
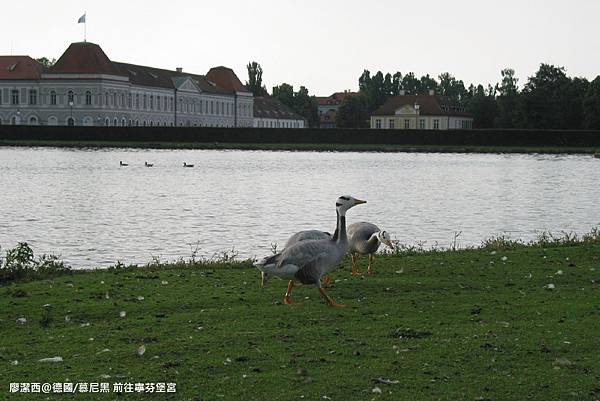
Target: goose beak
x=358, y=201
x=389, y=243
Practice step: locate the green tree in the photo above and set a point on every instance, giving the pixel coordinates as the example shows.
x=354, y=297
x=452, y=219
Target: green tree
x=508, y=97
x=46, y=62
x=353, y=112
x=411, y=85
x=426, y=84
x=254, y=82
x=481, y=103
x=301, y=102
x=451, y=87
x=591, y=105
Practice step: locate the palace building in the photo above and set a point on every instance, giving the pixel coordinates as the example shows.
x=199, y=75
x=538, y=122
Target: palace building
x=84, y=87
x=428, y=112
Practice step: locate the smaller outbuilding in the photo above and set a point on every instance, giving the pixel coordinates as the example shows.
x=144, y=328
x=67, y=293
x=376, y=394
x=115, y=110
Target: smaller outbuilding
x=426, y=112
x=271, y=113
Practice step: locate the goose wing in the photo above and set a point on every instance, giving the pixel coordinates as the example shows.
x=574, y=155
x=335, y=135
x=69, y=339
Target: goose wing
x=311, y=257
x=307, y=235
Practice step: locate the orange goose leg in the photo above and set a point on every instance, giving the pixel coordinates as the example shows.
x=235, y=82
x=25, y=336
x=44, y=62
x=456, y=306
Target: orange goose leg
x=288, y=293
x=330, y=301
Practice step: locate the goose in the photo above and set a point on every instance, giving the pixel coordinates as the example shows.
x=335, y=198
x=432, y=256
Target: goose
x=187, y=165
x=148, y=164
x=306, y=235
x=364, y=239
x=307, y=261
x=123, y=164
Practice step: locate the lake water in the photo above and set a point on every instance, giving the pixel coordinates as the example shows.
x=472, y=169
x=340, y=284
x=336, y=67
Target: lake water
x=82, y=205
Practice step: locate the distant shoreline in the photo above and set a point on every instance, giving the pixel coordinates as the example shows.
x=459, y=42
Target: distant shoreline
x=319, y=147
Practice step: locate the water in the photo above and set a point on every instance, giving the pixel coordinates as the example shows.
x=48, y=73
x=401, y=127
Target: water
x=81, y=205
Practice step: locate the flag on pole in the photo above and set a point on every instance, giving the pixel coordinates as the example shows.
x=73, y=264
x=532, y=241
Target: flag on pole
x=81, y=19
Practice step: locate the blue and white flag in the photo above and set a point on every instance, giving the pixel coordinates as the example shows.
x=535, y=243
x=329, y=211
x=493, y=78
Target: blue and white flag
x=81, y=19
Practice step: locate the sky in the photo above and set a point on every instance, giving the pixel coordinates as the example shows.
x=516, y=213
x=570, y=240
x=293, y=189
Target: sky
x=323, y=45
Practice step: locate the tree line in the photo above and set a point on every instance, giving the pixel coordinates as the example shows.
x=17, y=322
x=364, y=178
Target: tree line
x=550, y=99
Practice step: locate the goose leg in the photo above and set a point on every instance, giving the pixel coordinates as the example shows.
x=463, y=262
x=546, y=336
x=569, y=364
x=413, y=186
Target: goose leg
x=330, y=301
x=355, y=272
x=288, y=293
x=370, y=267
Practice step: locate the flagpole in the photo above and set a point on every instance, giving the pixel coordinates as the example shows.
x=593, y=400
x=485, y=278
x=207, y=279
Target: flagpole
x=85, y=27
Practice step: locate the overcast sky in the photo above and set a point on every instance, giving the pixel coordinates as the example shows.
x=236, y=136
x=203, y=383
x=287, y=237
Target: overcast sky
x=324, y=45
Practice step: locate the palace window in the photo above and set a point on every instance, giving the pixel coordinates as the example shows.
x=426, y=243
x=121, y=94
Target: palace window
x=436, y=124
x=70, y=122
x=137, y=100
x=115, y=122
x=406, y=124
x=88, y=98
x=130, y=101
x=114, y=99
x=53, y=98
x=107, y=122
x=378, y=123
x=151, y=102
x=158, y=103
x=70, y=97
x=145, y=105
x=122, y=101
x=106, y=99
x=212, y=104
x=422, y=123
x=15, y=96
x=32, y=97
x=391, y=123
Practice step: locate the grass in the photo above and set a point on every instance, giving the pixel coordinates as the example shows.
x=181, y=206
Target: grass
x=478, y=324
x=306, y=147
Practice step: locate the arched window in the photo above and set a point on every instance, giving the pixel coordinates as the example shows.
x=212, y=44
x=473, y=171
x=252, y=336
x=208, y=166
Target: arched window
x=70, y=122
x=70, y=97
x=137, y=123
x=145, y=101
x=158, y=103
x=116, y=122
x=88, y=98
x=129, y=104
x=13, y=120
x=151, y=123
x=53, y=98
x=151, y=102
x=123, y=122
x=137, y=100
x=122, y=100
x=106, y=99
x=33, y=120
x=0, y=120
x=144, y=123
x=107, y=122
x=114, y=100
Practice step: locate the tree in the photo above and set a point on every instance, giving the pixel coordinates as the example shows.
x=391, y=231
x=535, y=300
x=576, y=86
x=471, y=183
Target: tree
x=254, y=82
x=300, y=102
x=481, y=103
x=543, y=102
x=451, y=87
x=353, y=113
x=46, y=62
x=410, y=84
x=591, y=105
x=426, y=84
x=508, y=97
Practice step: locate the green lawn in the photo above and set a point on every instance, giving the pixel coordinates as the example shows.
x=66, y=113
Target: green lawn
x=465, y=325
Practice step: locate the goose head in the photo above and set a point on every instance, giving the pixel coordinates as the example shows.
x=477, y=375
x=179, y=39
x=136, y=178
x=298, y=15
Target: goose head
x=384, y=238
x=345, y=202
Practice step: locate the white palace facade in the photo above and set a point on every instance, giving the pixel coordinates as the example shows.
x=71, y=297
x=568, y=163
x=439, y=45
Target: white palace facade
x=85, y=88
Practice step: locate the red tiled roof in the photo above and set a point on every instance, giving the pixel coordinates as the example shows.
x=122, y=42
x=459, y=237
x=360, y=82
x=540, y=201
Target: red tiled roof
x=20, y=67
x=84, y=58
x=335, y=99
x=226, y=79
x=428, y=106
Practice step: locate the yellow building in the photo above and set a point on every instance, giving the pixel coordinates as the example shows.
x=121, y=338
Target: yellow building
x=427, y=112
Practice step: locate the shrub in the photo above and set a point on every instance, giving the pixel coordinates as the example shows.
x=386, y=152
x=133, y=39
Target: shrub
x=21, y=264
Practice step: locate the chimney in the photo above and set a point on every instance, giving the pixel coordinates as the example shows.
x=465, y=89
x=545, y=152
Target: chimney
x=402, y=92
x=179, y=69
x=431, y=92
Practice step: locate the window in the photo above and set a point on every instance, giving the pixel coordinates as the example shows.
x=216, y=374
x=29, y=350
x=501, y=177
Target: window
x=151, y=102
x=107, y=122
x=106, y=99
x=114, y=99
x=122, y=100
x=88, y=98
x=436, y=124
x=14, y=96
x=392, y=123
x=137, y=100
x=70, y=122
x=33, y=120
x=158, y=103
x=130, y=101
x=212, y=107
x=406, y=124
x=53, y=98
x=145, y=105
x=378, y=123
x=70, y=97
x=206, y=107
x=223, y=108
x=32, y=97
x=115, y=122
x=422, y=123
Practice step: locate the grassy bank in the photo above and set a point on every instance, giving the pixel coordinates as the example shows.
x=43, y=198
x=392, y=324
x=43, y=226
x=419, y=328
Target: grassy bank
x=501, y=323
x=331, y=147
